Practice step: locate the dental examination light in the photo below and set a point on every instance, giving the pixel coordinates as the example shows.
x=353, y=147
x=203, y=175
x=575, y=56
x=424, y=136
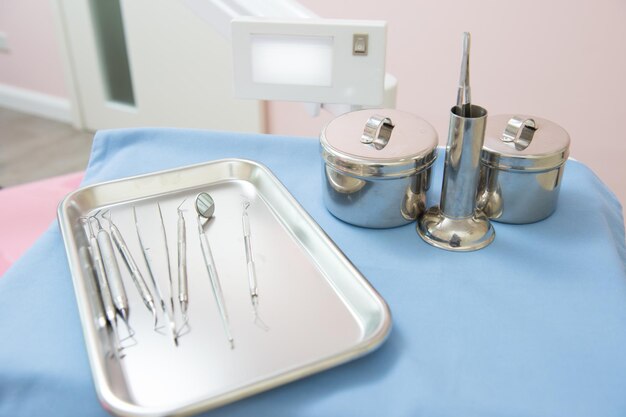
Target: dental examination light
x=283, y=51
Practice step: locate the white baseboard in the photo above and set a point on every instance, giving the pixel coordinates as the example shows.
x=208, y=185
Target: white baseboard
x=36, y=103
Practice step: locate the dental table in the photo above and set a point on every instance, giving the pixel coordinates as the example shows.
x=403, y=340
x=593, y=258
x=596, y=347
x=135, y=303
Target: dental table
x=532, y=325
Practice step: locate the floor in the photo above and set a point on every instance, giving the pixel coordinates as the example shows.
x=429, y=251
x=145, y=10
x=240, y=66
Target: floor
x=33, y=148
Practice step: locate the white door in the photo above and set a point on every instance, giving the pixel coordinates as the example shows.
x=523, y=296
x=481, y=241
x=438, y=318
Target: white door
x=149, y=63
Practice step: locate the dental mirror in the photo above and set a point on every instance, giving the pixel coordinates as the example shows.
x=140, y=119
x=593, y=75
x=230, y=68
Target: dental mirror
x=205, y=206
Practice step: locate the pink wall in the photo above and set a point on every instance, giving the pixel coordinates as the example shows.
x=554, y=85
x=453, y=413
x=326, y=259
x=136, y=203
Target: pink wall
x=34, y=60
x=561, y=60
x=558, y=59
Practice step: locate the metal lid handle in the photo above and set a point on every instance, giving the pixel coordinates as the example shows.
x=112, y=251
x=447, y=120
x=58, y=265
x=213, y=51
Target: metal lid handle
x=377, y=131
x=519, y=132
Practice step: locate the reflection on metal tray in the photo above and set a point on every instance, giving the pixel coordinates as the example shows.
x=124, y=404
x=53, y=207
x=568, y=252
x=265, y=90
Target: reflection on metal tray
x=319, y=309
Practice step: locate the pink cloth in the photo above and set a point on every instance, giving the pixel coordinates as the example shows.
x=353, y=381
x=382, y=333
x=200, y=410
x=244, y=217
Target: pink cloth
x=27, y=210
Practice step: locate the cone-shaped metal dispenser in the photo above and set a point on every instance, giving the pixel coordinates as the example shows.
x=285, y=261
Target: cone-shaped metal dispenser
x=457, y=224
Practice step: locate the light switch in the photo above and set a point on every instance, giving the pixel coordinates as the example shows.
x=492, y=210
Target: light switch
x=359, y=44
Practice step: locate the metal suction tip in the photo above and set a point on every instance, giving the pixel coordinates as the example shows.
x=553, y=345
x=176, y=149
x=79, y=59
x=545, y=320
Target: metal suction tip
x=205, y=206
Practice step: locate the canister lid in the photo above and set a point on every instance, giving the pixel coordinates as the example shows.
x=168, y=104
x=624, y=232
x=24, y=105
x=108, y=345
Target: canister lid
x=524, y=143
x=379, y=142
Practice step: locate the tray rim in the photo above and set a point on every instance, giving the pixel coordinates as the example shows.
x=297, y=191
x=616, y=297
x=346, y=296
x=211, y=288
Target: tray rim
x=112, y=403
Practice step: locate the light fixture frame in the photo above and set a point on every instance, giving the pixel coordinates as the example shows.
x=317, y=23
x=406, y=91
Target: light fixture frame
x=356, y=79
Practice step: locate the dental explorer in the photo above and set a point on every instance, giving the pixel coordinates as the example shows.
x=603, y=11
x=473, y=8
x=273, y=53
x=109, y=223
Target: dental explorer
x=252, y=281
x=144, y=250
x=167, y=257
x=183, y=292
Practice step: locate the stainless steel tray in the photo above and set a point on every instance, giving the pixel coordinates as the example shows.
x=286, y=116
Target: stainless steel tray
x=320, y=310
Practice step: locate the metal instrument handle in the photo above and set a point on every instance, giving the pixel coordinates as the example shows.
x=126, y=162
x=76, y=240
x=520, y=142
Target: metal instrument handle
x=213, y=277
x=105, y=292
x=114, y=278
x=215, y=282
x=249, y=260
x=135, y=273
x=149, y=264
x=252, y=282
x=183, y=295
x=92, y=287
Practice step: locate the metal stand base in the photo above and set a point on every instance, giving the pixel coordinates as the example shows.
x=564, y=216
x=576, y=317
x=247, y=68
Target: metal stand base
x=462, y=235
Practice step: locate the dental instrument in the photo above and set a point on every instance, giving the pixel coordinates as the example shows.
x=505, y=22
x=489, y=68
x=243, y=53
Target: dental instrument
x=252, y=281
x=133, y=268
x=206, y=206
x=144, y=250
x=183, y=291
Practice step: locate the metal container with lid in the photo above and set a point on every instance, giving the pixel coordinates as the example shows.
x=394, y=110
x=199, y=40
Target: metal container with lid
x=377, y=166
x=522, y=160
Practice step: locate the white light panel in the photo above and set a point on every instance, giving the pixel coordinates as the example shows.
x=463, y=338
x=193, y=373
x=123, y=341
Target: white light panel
x=292, y=60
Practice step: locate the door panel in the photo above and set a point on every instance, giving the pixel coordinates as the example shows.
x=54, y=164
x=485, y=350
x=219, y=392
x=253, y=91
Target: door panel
x=180, y=70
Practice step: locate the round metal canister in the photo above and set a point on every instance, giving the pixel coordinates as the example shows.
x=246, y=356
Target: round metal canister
x=522, y=163
x=377, y=167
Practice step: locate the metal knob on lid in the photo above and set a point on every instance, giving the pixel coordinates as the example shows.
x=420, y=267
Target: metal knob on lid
x=519, y=132
x=522, y=164
x=377, y=131
x=377, y=166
